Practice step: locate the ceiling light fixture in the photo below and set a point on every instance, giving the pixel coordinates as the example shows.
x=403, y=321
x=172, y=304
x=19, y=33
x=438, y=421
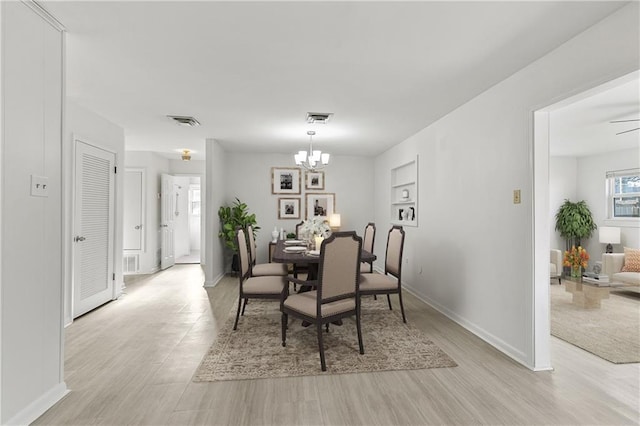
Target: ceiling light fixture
x=186, y=155
x=311, y=160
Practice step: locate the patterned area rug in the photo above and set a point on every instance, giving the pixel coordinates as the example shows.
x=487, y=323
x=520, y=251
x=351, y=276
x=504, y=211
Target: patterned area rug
x=611, y=332
x=254, y=350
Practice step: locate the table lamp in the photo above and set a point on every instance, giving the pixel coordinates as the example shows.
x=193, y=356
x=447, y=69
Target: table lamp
x=334, y=222
x=609, y=235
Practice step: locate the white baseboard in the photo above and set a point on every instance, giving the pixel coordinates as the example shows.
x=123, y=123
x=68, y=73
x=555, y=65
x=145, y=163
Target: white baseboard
x=214, y=282
x=38, y=407
x=513, y=353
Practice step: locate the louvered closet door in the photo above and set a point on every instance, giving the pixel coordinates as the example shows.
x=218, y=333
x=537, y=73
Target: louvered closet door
x=93, y=227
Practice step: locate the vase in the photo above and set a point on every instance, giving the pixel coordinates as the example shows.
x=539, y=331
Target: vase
x=274, y=235
x=576, y=273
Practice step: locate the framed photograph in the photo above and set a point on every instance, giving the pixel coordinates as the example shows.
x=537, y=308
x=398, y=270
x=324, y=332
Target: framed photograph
x=285, y=180
x=314, y=180
x=320, y=204
x=288, y=208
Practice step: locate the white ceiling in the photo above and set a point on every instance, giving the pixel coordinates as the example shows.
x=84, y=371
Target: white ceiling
x=584, y=127
x=249, y=72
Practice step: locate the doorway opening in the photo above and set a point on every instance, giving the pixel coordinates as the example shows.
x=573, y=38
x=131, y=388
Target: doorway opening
x=187, y=219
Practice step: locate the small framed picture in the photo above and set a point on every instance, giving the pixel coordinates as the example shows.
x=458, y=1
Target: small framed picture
x=288, y=208
x=285, y=180
x=320, y=204
x=314, y=180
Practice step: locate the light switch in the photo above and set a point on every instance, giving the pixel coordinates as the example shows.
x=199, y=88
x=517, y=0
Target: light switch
x=516, y=196
x=39, y=186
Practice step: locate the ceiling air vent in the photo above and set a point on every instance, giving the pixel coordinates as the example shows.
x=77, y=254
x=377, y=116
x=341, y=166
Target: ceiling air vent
x=184, y=120
x=318, y=117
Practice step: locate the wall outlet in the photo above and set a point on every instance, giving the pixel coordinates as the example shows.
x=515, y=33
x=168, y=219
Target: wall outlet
x=516, y=196
x=39, y=186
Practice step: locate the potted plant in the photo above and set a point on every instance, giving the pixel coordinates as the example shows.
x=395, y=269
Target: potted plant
x=574, y=222
x=230, y=218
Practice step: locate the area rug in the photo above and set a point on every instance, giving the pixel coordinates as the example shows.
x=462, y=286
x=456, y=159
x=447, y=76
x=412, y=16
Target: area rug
x=254, y=350
x=611, y=332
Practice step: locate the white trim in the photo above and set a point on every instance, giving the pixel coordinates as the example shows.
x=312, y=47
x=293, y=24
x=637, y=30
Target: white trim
x=2, y=138
x=63, y=223
x=214, y=282
x=44, y=14
x=541, y=309
x=38, y=407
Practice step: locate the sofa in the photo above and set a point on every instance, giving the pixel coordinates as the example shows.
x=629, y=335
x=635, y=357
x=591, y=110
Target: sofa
x=612, y=265
x=555, y=265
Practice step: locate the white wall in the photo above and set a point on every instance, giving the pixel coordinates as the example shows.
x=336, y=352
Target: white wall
x=154, y=165
x=94, y=129
x=474, y=247
x=590, y=185
x=562, y=185
x=248, y=177
x=31, y=270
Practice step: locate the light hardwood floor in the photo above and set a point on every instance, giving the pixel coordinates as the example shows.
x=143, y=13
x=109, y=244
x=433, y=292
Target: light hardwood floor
x=131, y=362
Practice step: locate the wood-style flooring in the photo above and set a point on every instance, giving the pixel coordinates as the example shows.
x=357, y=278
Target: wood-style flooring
x=131, y=362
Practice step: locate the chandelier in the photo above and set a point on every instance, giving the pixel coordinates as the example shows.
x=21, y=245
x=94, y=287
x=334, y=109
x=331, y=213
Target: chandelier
x=312, y=160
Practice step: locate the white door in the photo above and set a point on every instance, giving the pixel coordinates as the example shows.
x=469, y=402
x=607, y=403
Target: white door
x=93, y=228
x=134, y=200
x=167, y=212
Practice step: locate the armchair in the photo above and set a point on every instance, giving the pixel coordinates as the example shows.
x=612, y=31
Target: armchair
x=555, y=266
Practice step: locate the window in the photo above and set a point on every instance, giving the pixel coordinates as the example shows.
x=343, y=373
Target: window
x=623, y=194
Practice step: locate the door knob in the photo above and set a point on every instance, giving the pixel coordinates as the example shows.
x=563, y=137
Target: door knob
x=138, y=227
x=79, y=239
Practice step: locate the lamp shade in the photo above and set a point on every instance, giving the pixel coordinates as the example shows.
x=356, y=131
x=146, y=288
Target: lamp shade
x=609, y=235
x=334, y=220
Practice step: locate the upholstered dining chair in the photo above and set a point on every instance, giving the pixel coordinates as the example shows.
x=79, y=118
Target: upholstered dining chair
x=391, y=281
x=367, y=244
x=262, y=269
x=336, y=294
x=266, y=287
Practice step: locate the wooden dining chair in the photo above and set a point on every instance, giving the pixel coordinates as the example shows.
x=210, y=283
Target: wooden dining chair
x=265, y=287
x=336, y=295
x=391, y=281
x=262, y=269
x=367, y=244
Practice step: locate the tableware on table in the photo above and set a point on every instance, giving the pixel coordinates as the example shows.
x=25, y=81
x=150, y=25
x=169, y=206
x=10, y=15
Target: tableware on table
x=295, y=249
x=313, y=252
x=294, y=242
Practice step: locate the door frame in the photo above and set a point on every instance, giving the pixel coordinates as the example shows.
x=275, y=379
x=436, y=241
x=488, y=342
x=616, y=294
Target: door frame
x=75, y=137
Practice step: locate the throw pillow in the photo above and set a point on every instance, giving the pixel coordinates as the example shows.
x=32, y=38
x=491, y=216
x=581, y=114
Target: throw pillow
x=631, y=260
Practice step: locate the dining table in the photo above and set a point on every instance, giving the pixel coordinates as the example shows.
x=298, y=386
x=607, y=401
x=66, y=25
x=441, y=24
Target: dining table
x=296, y=252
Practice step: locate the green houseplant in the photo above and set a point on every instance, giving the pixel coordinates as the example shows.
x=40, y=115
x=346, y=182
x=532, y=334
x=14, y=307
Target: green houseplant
x=230, y=218
x=574, y=221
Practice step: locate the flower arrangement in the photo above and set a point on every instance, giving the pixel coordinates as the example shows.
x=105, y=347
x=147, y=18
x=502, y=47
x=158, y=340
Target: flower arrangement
x=576, y=258
x=315, y=226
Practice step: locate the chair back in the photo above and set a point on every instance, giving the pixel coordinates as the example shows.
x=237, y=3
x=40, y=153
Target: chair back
x=339, y=269
x=369, y=237
x=252, y=245
x=243, y=254
x=395, y=245
x=298, y=226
